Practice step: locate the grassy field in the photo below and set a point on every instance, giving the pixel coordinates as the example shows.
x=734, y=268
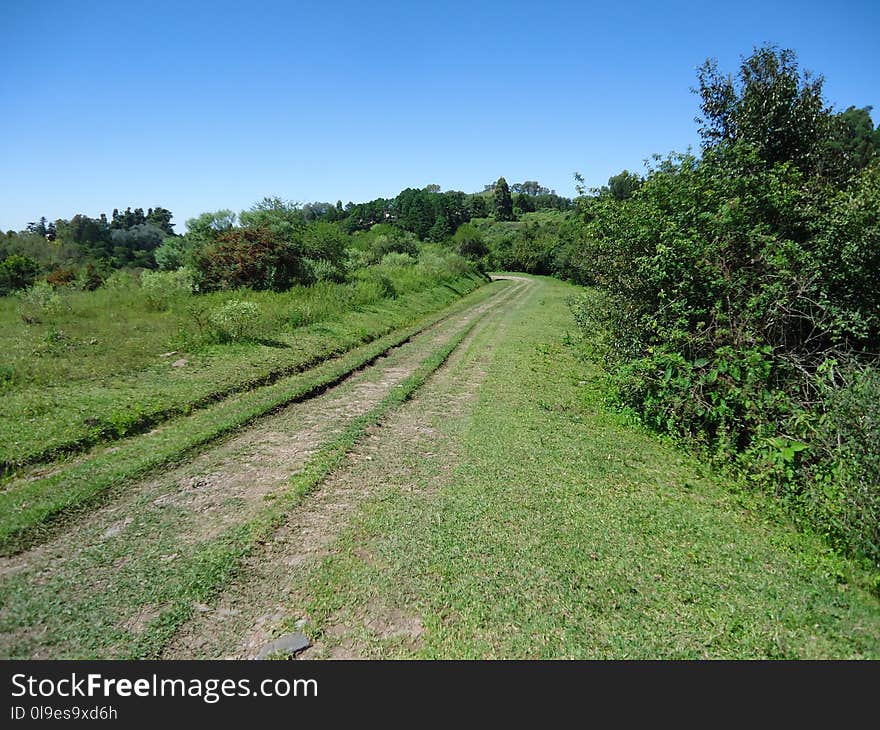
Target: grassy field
x=148, y=561
x=101, y=365
x=467, y=496
x=535, y=524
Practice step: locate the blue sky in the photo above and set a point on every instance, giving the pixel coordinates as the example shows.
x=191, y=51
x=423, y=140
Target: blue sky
x=200, y=106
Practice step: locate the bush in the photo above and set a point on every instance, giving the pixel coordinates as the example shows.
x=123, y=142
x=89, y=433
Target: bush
x=162, y=288
x=40, y=303
x=397, y=260
x=323, y=270
x=844, y=488
x=61, y=277
x=236, y=321
x=257, y=258
x=16, y=273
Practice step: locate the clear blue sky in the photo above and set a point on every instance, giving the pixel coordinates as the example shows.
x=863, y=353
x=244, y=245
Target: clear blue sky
x=200, y=106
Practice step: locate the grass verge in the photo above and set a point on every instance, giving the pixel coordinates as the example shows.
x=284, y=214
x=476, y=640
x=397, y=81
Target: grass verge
x=42, y=423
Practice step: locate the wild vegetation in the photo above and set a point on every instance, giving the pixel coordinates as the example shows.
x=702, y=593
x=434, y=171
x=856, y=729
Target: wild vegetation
x=728, y=299
x=740, y=307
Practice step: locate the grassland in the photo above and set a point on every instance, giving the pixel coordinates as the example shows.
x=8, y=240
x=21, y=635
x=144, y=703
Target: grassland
x=101, y=365
x=468, y=495
x=533, y=523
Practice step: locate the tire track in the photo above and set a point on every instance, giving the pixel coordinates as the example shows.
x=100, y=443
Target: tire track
x=115, y=559
x=251, y=611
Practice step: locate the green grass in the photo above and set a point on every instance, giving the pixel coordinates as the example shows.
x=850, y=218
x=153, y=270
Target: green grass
x=95, y=372
x=79, y=611
x=548, y=527
x=30, y=509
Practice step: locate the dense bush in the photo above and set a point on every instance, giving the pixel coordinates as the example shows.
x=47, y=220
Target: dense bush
x=744, y=296
x=254, y=257
x=161, y=288
x=17, y=272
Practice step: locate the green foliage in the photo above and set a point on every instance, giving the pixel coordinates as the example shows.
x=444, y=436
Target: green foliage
x=502, y=202
x=17, y=272
x=468, y=241
x=844, y=478
x=40, y=303
x=236, y=321
x=163, y=288
x=258, y=258
x=623, y=185
x=733, y=280
x=771, y=105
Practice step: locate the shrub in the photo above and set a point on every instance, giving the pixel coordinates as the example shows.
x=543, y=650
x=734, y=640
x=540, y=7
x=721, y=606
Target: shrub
x=40, y=302
x=844, y=487
x=257, y=258
x=16, y=273
x=161, y=288
x=61, y=277
x=235, y=321
x=323, y=270
x=396, y=259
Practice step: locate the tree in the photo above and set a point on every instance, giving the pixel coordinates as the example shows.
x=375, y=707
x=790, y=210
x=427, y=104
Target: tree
x=771, y=105
x=854, y=143
x=208, y=225
x=503, y=201
x=622, y=185
x=161, y=218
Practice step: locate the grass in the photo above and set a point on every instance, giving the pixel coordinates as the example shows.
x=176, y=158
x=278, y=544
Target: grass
x=79, y=604
x=100, y=369
x=31, y=508
x=548, y=527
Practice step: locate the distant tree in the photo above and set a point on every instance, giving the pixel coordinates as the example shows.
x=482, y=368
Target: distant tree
x=503, y=201
x=284, y=218
x=208, y=225
x=530, y=187
x=524, y=203
x=854, y=142
x=433, y=188
x=622, y=185
x=161, y=218
x=135, y=246
x=477, y=206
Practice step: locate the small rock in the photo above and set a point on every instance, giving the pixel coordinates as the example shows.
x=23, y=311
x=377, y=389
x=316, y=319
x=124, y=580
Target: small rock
x=168, y=354
x=289, y=644
x=179, y=363
x=300, y=623
x=201, y=607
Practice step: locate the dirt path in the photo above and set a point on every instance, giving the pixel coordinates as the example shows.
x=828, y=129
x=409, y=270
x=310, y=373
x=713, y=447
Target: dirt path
x=112, y=557
x=269, y=596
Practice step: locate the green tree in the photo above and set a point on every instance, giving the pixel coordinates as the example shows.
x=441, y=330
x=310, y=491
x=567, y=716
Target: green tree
x=622, y=185
x=503, y=201
x=770, y=105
